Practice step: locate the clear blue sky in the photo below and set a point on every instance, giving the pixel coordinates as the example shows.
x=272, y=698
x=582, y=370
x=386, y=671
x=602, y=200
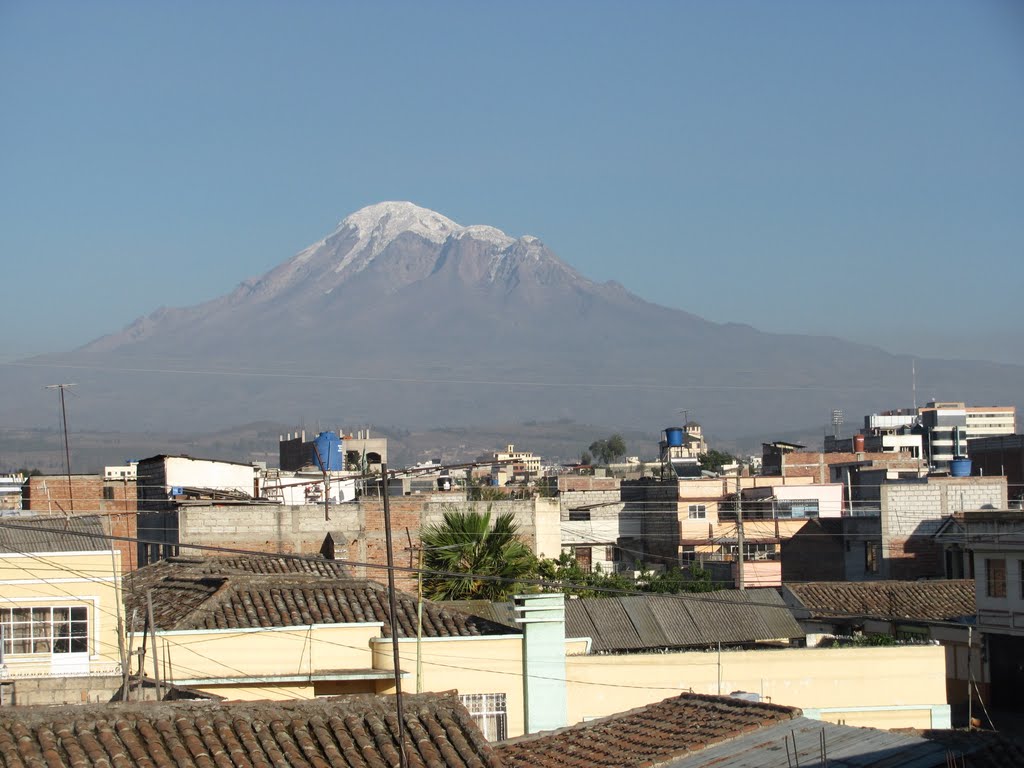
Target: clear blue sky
x=848, y=168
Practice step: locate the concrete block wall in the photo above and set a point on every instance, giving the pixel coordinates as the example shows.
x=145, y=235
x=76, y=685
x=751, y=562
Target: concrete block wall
x=63, y=690
x=918, y=507
x=357, y=529
x=911, y=513
x=576, y=499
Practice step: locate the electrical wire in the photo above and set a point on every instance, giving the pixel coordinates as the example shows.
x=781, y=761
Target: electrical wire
x=844, y=386
x=557, y=585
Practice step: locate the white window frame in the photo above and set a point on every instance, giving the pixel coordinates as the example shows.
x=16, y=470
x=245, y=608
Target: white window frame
x=697, y=512
x=36, y=626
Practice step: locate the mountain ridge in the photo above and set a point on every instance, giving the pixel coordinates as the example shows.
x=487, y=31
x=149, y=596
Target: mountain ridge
x=400, y=314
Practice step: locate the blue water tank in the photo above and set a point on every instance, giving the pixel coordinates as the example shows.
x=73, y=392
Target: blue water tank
x=328, y=453
x=674, y=437
x=960, y=467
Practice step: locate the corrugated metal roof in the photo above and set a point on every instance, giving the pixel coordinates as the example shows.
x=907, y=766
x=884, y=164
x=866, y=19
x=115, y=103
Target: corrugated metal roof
x=53, y=534
x=577, y=621
x=614, y=629
x=679, y=621
x=727, y=617
x=845, y=747
x=651, y=632
x=780, y=621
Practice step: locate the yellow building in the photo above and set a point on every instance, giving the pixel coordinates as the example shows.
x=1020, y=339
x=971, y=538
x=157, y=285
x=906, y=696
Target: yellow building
x=59, y=599
x=272, y=627
x=285, y=628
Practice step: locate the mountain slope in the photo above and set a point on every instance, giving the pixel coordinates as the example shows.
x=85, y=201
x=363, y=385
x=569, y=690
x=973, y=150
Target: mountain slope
x=402, y=316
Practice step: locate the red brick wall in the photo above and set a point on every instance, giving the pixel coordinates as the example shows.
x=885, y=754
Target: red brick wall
x=816, y=464
x=914, y=557
x=48, y=494
x=587, y=483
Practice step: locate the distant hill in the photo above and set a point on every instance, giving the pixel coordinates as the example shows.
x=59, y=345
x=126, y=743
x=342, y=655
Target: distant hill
x=402, y=316
x=557, y=441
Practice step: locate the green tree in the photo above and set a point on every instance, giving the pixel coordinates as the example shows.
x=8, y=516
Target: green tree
x=607, y=450
x=713, y=460
x=477, y=560
x=675, y=580
x=571, y=579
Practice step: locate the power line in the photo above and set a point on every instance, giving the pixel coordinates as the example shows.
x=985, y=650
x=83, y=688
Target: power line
x=633, y=385
x=561, y=586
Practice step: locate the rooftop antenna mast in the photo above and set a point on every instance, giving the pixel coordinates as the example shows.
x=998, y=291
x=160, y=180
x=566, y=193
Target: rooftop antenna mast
x=913, y=381
x=67, y=450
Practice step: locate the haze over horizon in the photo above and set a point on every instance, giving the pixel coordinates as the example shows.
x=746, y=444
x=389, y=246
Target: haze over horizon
x=847, y=170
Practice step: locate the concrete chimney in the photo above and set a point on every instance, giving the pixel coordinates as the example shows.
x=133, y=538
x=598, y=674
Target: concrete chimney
x=542, y=618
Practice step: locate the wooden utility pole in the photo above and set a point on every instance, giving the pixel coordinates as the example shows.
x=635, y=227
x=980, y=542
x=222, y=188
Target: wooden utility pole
x=67, y=450
x=739, y=530
x=152, y=639
x=393, y=607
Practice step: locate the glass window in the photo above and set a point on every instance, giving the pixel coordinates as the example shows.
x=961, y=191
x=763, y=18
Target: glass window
x=578, y=515
x=797, y=508
x=45, y=630
x=490, y=713
x=697, y=511
x=995, y=577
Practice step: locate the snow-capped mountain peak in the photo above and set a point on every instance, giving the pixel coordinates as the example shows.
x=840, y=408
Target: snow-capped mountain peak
x=376, y=226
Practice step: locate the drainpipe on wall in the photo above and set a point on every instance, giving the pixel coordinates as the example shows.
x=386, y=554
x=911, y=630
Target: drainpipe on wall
x=542, y=618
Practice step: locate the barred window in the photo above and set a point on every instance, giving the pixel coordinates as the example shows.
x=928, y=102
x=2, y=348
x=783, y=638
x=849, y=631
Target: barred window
x=45, y=630
x=489, y=712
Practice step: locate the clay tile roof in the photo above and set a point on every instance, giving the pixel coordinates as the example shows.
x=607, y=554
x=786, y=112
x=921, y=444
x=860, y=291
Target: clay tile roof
x=210, y=593
x=646, y=736
x=940, y=600
x=359, y=730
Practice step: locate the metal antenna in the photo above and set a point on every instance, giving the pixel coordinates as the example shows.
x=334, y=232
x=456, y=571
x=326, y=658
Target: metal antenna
x=913, y=382
x=67, y=450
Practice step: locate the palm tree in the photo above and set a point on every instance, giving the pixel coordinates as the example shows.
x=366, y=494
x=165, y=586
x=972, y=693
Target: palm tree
x=475, y=560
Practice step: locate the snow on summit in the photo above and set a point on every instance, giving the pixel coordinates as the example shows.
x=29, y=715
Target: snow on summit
x=379, y=224
x=376, y=226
